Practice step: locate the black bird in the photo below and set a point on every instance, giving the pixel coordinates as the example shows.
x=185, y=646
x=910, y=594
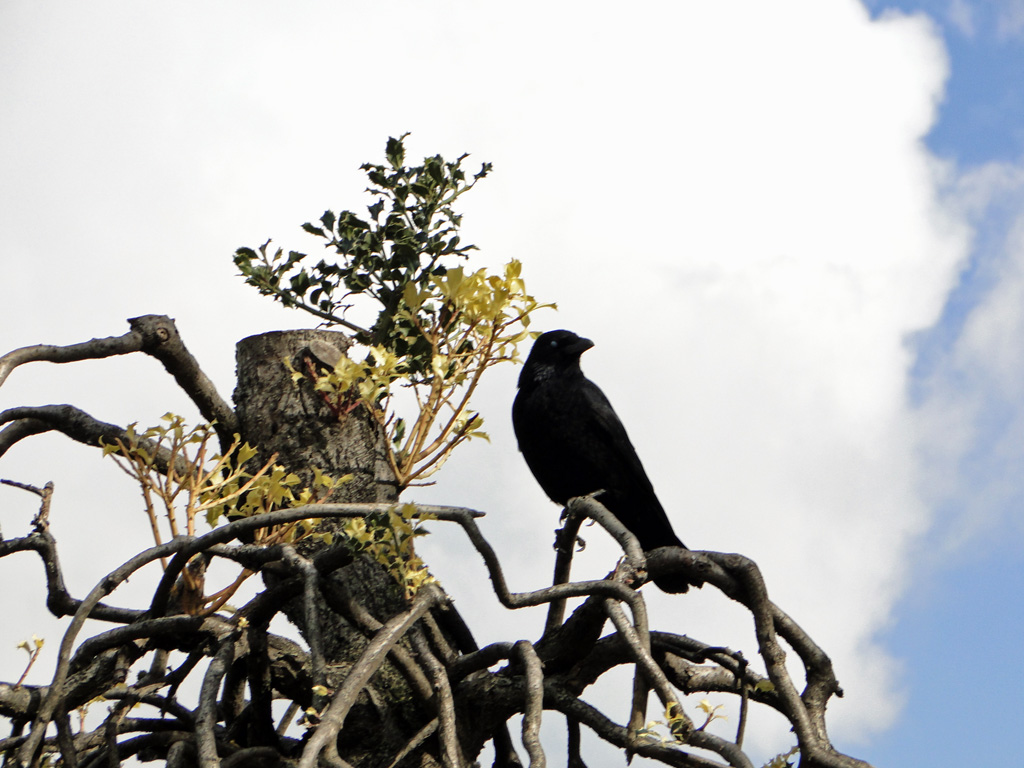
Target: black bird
x=574, y=443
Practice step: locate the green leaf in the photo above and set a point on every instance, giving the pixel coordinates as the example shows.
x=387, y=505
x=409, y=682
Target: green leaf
x=399, y=431
x=300, y=283
x=395, y=151
x=243, y=258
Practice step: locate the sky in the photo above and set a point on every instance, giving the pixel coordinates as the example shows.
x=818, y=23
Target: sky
x=794, y=231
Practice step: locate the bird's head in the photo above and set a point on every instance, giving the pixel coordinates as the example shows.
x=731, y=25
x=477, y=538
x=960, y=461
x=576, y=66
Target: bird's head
x=553, y=353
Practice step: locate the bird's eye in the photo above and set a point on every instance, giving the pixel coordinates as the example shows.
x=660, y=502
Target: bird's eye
x=554, y=343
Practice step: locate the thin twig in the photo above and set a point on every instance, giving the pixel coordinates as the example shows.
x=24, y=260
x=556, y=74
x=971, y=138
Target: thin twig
x=417, y=739
x=575, y=758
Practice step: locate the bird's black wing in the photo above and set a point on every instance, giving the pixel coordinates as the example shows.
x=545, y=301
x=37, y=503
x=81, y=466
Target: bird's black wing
x=630, y=495
x=610, y=432
x=575, y=444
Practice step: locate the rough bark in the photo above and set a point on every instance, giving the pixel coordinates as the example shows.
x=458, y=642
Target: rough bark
x=290, y=419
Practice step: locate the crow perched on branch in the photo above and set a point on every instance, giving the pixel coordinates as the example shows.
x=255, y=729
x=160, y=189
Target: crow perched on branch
x=574, y=443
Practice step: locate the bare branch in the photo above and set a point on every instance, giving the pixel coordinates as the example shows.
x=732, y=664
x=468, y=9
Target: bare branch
x=524, y=599
x=360, y=673
x=451, y=753
x=482, y=659
x=740, y=579
x=41, y=492
x=756, y=599
x=640, y=646
x=417, y=739
x=19, y=430
x=534, y=703
x=68, y=753
x=573, y=746
x=244, y=526
x=207, y=714
x=595, y=510
x=53, y=696
x=338, y=599
x=572, y=661
x=446, y=652
x=168, y=706
x=314, y=633
x=87, y=350
x=565, y=545
x=163, y=342
x=58, y=600
x=157, y=336
x=556, y=697
x=79, y=426
x=211, y=627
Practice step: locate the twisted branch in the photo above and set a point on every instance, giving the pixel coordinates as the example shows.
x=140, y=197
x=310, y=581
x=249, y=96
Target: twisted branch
x=660, y=659
x=155, y=335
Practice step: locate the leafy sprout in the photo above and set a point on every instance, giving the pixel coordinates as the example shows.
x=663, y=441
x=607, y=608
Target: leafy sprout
x=438, y=325
x=388, y=537
x=190, y=480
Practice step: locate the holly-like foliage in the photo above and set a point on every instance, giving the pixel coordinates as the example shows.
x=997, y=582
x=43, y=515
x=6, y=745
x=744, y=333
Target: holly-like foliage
x=438, y=326
x=415, y=240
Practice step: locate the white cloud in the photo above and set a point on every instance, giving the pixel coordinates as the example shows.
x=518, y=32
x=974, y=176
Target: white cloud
x=731, y=199
x=1009, y=18
x=961, y=15
x=970, y=414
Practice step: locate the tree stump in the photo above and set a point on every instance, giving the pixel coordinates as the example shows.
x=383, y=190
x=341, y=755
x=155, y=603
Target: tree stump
x=291, y=419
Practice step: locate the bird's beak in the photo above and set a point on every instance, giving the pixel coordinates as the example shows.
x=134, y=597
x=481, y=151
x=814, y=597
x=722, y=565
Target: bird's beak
x=580, y=346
